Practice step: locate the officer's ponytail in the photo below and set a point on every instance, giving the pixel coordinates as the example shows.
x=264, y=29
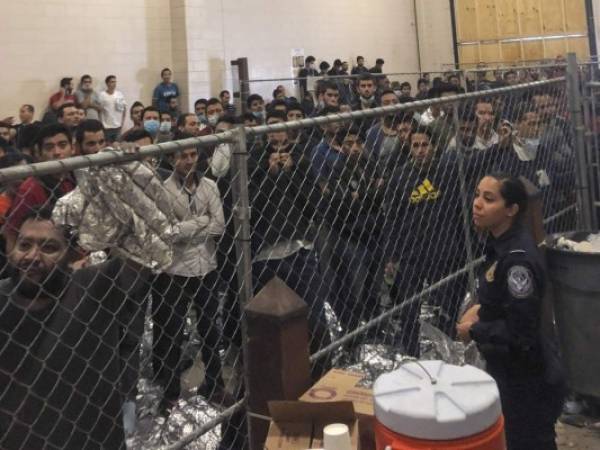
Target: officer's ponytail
x=513, y=192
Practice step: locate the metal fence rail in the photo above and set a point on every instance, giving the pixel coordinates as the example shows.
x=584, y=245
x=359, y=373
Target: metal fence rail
x=365, y=214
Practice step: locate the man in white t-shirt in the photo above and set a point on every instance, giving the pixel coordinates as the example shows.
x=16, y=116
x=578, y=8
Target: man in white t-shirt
x=113, y=109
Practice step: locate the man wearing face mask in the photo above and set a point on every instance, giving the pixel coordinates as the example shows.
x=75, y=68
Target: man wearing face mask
x=214, y=111
x=256, y=106
x=151, y=121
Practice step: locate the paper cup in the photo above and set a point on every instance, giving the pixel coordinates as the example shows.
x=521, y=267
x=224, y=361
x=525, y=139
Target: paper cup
x=336, y=437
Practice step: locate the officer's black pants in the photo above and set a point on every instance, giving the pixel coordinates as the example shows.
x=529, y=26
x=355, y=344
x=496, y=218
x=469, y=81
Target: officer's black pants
x=530, y=409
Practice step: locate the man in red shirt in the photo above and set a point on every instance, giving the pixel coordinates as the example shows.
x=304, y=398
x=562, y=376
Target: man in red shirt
x=64, y=95
x=52, y=142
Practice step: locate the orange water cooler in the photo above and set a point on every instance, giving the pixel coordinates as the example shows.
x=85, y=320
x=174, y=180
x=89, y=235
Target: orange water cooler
x=431, y=405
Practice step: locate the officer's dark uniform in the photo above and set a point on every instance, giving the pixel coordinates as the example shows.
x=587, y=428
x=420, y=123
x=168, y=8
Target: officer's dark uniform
x=523, y=362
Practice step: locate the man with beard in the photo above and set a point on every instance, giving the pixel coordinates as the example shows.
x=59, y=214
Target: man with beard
x=348, y=241
x=366, y=90
x=59, y=364
x=423, y=236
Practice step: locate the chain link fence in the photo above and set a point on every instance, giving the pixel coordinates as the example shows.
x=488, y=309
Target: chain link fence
x=122, y=310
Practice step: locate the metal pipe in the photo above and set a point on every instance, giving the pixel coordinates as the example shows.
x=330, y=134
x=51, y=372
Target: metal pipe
x=205, y=428
x=112, y=156
x=584, y=203
x=241, y=221
x=109, y=156
x=394, y=310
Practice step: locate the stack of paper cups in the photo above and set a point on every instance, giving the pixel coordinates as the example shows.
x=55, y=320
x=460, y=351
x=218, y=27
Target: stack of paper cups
x=336, y=437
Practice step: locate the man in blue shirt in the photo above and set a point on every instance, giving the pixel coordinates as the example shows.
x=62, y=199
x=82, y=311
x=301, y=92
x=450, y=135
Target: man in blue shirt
x=164, y=91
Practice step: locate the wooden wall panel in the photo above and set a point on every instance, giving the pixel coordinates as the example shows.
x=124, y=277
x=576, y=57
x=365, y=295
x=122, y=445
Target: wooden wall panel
x=533, y=50
x=552, y=16
x=466, y=21
x=487, y=20
x=511, y=52
x=555, y=47
x=491, y=22
x=529, y=15
x=507, y=19
x=469, y=54
x=575, y=16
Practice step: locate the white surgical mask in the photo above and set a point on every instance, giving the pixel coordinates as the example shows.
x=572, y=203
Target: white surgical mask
x=213, y=119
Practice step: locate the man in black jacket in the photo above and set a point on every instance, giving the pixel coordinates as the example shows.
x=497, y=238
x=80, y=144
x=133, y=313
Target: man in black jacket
x=348, y=240
x=284, y=199
x=59, y=340
x=423, y=236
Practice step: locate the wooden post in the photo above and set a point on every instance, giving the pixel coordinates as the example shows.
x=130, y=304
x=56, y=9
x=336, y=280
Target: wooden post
x=277, y=363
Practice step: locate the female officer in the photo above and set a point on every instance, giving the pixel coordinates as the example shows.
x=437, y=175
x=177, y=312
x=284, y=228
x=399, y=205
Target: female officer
x=507, y=325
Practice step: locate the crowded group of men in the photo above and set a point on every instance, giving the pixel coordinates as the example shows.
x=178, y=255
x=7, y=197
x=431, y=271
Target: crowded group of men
x=336, y=209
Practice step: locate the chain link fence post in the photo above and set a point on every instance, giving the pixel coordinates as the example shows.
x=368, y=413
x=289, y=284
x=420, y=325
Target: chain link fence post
x=241, y=221
x=584, y=203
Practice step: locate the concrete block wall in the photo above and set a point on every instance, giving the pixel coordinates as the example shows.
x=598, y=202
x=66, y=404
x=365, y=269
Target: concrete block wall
x=44, y=40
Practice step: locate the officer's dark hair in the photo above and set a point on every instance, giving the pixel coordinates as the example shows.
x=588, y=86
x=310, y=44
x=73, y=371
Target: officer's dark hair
x=200, y=101
x=379, y=61
x=87, y=126
x=309, y=59
x=405, y=84
x=295, y=106
x=109, y=78
x=513, y=191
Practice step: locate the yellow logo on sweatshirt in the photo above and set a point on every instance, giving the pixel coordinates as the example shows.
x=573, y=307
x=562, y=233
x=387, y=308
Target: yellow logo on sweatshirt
x=425, y=191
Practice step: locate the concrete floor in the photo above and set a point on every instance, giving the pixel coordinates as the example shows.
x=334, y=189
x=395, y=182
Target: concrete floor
x=570, y=437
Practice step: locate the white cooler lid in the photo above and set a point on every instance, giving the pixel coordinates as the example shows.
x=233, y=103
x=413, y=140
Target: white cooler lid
x=462, y=402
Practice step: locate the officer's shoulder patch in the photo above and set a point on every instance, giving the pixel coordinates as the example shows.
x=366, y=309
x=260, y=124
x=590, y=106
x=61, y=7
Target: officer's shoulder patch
x=520, y=281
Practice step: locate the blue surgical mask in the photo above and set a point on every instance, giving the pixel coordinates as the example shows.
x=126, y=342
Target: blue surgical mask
x=258, y=114
x=151, y=126
x=165, y=127
x=201, y=117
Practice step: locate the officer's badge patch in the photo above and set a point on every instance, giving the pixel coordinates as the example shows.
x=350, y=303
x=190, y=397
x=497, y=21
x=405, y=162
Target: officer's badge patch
x=489, y=275
x=520, y=282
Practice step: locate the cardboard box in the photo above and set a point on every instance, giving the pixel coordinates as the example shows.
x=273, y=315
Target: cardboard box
x=299, y=425
x=343, y=385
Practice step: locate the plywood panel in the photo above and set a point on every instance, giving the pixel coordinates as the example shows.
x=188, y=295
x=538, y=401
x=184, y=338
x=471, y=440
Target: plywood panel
x=529, y=14
x=552, y=17
x=581, y=46
x=533, y=50
x=555, y=47
x=507, y=19
x=469, y=54
x=466, y=20
x=511, y=52
x=490, y=52
x=487, y=21
x=575, y=16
